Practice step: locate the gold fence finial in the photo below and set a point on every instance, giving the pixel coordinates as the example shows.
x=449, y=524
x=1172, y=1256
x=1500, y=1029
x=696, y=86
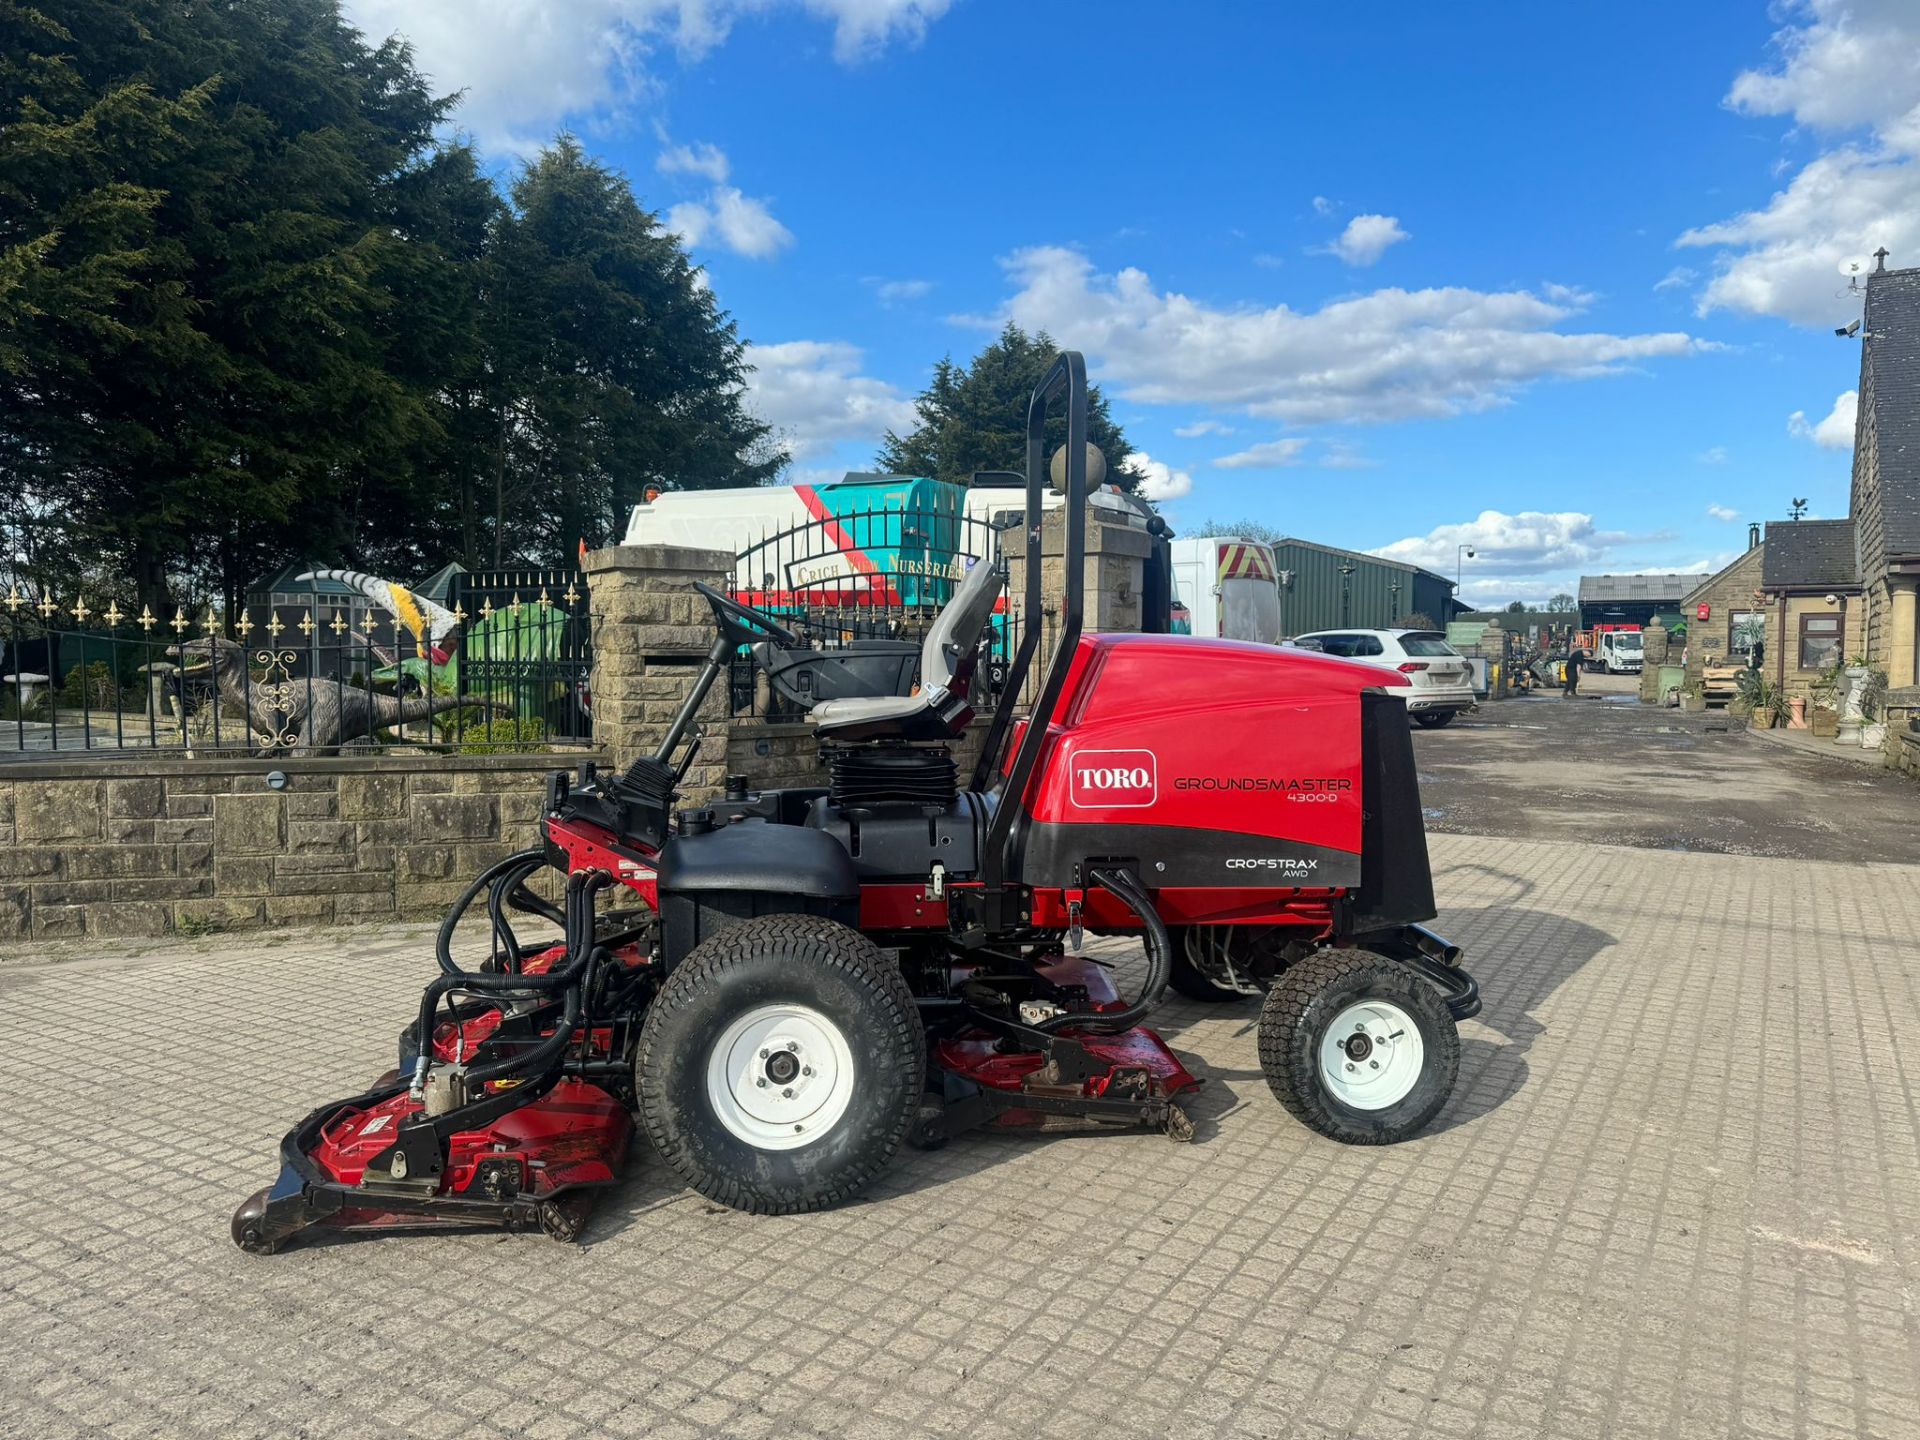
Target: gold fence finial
x=80, y=610
x=114, y=615
x=14, y=599
x=148, y=619
x=179, y=621
x=46, y=607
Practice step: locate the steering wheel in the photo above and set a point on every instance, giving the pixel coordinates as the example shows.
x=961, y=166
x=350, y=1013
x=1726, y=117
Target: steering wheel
x=740, y=622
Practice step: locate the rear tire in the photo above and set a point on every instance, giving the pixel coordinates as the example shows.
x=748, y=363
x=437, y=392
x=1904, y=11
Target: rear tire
x=1358, y=1047
x=781, y=1065
x=1433, y=719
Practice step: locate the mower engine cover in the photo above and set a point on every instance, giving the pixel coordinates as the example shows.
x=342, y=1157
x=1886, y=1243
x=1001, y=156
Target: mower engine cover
x=1223, y=764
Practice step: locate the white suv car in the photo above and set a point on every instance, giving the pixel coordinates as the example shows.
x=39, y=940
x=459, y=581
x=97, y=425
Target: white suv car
x=1440, y=680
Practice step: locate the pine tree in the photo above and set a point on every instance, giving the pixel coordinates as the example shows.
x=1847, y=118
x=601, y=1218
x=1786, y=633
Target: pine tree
x=229, y=383
x=974, y=417
x=618, y=369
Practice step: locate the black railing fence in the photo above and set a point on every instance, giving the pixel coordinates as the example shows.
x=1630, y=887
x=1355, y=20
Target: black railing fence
x=862, y=589
x=312, y=678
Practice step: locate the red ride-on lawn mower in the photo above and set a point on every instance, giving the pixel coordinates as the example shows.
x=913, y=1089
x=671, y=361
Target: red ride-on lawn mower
x=802, y=979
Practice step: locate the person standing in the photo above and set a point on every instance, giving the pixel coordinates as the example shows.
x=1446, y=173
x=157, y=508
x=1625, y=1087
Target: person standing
x=1576, y=657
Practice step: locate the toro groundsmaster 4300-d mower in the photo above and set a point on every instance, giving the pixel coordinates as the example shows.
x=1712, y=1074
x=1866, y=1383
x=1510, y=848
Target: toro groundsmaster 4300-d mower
x=786, y=985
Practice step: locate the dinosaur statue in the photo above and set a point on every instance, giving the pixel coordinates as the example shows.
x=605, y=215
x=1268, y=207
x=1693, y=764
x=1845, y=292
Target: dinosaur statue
x=314, y=715
x=431, y=624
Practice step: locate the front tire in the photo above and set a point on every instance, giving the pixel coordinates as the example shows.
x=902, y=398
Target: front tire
x=1433, y=719
x=781, y=1065
x=1358, y=1047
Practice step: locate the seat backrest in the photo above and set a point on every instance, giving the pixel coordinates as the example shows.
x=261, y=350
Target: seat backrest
x=953, y=644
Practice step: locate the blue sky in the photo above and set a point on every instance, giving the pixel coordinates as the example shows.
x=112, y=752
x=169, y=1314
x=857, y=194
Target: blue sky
x=1557, y=281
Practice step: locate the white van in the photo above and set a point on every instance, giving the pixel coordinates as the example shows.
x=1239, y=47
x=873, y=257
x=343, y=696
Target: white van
x=1228, y=587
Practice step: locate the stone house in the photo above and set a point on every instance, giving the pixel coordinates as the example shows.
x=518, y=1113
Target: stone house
x=1811, y=581
x=1885, y=502
x=1726, y=613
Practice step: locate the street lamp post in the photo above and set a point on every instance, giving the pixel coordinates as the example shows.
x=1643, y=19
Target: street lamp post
x=1460, y=551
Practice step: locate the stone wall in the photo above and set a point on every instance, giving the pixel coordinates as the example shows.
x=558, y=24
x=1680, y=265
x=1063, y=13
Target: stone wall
x=112, y=848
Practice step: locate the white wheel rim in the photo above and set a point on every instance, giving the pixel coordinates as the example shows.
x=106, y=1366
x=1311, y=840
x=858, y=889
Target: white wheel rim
x=1371, y=1055
x=780, y=1077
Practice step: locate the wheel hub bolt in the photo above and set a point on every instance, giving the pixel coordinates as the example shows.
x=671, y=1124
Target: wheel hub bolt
x=1374, y=1063
x=788, y=1092
x=765, y=1053
x=762, y=1081
x=793, y=1045
x=806, y=1069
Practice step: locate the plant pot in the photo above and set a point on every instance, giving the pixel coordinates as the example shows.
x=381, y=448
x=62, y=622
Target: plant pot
x=1824, y=723
x=1692, y=704
x=1797, y=713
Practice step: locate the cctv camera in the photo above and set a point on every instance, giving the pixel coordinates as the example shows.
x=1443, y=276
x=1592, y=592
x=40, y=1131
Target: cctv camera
x=1848, y=331
x=1833, y=599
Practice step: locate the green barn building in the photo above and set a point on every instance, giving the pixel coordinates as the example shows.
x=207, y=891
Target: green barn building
x=1323, y=588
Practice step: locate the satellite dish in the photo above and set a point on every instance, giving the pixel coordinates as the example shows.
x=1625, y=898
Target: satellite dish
x=1854, y=266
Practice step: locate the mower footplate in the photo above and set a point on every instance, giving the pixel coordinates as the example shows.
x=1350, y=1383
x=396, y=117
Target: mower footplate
x=538, y=1167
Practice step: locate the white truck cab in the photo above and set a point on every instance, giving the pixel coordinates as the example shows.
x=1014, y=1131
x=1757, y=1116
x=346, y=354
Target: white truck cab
x=1620, y=652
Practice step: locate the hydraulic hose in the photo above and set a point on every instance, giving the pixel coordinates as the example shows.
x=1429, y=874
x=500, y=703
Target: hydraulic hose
x=582, y=887
x=443, y=942
x=1126, y=889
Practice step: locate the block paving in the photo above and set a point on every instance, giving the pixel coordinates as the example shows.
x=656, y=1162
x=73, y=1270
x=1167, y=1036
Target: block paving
x=1677, y=1193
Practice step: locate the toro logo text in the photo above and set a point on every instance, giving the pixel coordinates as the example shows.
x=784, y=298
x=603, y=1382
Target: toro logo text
x=1113, y=779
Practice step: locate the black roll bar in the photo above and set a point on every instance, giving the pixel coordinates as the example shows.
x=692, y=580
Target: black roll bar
x=1067, y=374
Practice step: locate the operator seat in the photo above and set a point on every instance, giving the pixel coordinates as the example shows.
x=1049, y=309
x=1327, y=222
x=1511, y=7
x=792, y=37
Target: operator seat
x=940, y=710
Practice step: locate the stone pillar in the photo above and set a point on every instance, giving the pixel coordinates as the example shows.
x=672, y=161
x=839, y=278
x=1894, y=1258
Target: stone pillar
x=1901, y=631
x=1114, y=577
x=651, y=634
x=1655, y=640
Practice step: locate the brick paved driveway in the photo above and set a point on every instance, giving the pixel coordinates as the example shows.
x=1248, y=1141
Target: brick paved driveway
x=1677, y=1193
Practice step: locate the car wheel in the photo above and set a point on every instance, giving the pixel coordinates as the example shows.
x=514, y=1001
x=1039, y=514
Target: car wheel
x=1434, y=719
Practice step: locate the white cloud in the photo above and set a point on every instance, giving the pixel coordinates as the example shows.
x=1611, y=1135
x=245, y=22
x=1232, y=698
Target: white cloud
x=1844, y=66
x=1267, y=455
x=1678, y=278
x=1202, y=427
x=1530, y=543
x=812, y=393
x=894, y=292
x=732, y=220
x=529, y=68
x=1367, y=238
x=1343, y=455
x=1717, y=455
x=1158, y=480
x=1833, y=433
x=701, y=159
x=1387, y=355
x=1323, y=206
x=1723, y=512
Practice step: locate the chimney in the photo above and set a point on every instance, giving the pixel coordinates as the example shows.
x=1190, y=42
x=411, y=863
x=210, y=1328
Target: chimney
x=1881, y=256
x=1753, y=534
